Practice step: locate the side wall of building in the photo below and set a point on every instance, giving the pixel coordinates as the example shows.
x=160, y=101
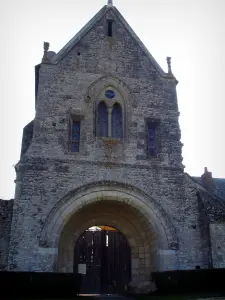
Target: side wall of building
x=211, y=223
x=6, y=209
x=27, y=137
x=217, y=232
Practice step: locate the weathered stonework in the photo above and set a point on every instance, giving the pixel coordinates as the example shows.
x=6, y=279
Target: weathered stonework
x=59, y=194
x=6, y=209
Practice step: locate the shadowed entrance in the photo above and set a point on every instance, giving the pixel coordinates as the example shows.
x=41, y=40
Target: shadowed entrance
x=145, y=225
x=103, y=256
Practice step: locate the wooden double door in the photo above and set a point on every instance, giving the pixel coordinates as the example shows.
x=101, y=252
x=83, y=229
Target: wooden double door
x=103, y=257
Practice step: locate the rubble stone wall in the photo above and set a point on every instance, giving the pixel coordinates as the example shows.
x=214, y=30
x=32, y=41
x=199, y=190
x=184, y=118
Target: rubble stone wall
x=6, y=209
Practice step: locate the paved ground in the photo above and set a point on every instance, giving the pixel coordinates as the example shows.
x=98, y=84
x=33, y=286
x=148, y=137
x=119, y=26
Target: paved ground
x=105, y=296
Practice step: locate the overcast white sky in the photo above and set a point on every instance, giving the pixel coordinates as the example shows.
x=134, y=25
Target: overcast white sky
x=192, y=32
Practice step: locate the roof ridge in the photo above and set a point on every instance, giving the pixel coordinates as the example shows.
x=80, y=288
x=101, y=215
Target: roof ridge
x=215, y=178
x=214, y=194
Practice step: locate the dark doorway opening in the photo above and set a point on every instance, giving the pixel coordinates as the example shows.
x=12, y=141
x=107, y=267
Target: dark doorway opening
x=103, y=256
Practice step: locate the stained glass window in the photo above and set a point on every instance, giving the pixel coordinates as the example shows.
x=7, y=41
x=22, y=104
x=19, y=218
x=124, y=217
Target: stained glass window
x=110, y=94
x=117, y=124
x=75, y=145
x=151, y=139
x=102, y=120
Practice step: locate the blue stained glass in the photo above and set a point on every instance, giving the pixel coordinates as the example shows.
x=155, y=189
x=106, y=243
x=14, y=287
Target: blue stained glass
x=75, y=136
x=102, y=120
x=110, y=94
x=117, y=121
x=75, y=147
x=151, y=141
x=151, y=134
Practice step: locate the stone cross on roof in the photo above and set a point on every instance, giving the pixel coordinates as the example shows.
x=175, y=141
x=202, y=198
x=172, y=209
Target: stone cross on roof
x=110, y=3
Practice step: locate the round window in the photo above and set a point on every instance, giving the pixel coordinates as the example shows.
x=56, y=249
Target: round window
x=110, y=94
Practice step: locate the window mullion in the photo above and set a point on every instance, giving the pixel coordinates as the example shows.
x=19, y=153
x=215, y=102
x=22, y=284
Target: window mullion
x=109, y=121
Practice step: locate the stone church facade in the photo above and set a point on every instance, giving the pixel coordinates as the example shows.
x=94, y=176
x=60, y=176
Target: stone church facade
x=104, y=149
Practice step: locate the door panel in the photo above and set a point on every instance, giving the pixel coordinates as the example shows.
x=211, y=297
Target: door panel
x=107, y=257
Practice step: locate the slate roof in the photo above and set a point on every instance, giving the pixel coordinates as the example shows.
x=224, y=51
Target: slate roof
x=219, y=190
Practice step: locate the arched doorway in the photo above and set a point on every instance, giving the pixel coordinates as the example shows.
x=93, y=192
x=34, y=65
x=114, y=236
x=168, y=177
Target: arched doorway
x=103, y=256
x=140, y=218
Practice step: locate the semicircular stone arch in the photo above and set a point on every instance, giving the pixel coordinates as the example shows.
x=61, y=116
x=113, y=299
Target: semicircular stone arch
x=86, y=218
x=146, y=227
x=95, y=192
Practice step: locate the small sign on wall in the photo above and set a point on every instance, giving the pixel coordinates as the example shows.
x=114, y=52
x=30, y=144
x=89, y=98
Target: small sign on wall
x=82, y=269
